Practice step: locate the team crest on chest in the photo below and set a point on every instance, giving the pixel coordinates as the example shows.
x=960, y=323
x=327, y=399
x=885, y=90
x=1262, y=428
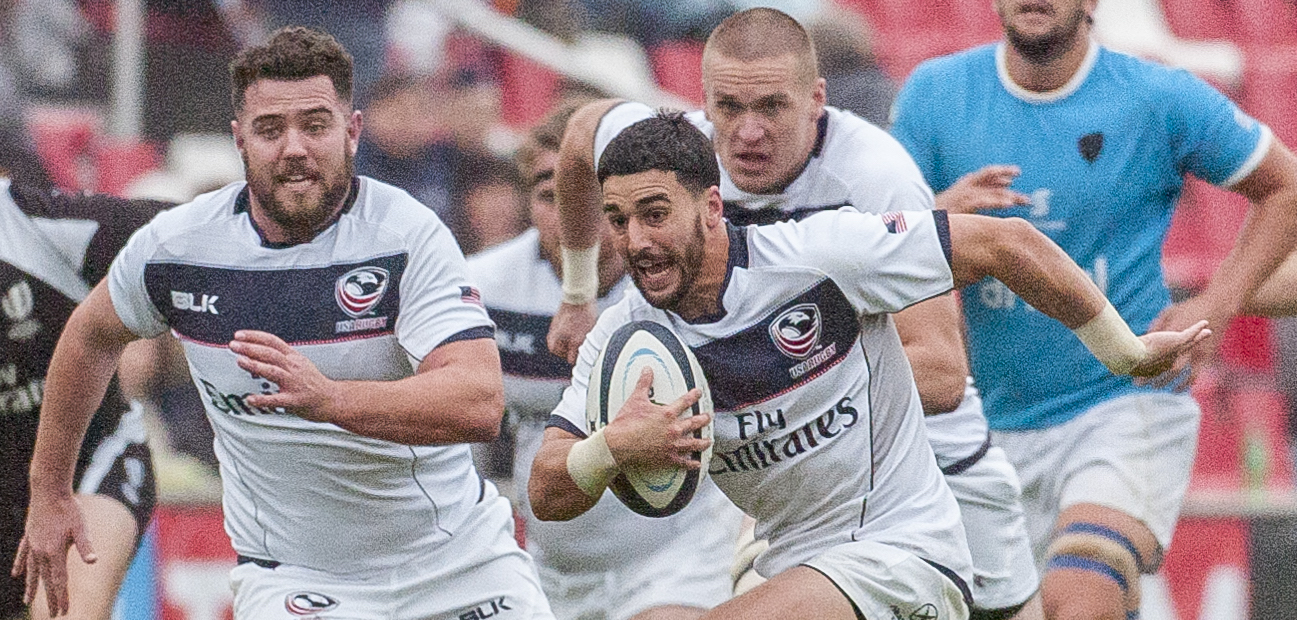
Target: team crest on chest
x=797, y=330
x=360, y=289
x=18, y=304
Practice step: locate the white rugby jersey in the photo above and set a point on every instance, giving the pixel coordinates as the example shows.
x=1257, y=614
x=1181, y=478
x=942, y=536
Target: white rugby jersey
x=818, y=429
x=365, y=300
x=854, y=164
x=521, y=291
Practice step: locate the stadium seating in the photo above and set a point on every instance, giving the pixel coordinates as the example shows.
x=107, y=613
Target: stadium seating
x=678, y=68
x=1200, y=19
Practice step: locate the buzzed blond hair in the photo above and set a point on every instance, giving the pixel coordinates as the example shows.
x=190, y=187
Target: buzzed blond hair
x=760, y=33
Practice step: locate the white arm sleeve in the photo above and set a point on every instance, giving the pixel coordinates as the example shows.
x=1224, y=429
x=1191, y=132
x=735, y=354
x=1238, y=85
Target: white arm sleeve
x=883, y=263
x=127, y=289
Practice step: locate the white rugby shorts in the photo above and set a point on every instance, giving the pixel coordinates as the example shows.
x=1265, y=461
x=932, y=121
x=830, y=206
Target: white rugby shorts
x=885, y=582
x=690, y=570
x=1133, y=453
x=485, y=575
x=989, y=496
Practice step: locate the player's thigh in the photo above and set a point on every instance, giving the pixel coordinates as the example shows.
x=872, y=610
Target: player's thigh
x=798, y=592
x=92, y=588
x=1134, y=460
x=1004, y=571
x=1132, y=453
x=670, y=612
x=687, y=575
x=860, y=579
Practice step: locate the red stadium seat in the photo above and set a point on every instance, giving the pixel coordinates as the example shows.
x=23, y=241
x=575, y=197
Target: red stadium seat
x=1264, y=452
x=1202, y=232
x=1269, y=82
x=907, y=33
x=63, y=139
x=1266, y=21
x=528, y=90
x=678, y=68
x=1201, y=19
x=1216, y=466
x=119, y=162
x=1248, y=346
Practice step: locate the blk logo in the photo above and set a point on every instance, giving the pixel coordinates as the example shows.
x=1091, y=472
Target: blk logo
x=194, y=303
x=1090, y=146
x=489, y=609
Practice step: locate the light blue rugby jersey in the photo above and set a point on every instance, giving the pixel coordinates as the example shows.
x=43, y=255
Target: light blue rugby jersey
x=1103, y=159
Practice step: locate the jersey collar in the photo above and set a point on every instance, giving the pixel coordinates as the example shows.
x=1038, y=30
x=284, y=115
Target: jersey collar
x=1002, y=69
x=737, y=259
x=242, y=203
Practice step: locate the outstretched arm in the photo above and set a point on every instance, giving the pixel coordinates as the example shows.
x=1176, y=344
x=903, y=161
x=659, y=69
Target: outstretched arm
x=82, y=366
x=1012, y=251
x=579, y=207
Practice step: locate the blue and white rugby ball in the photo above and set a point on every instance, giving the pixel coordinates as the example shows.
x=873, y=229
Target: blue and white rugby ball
x=634, y=346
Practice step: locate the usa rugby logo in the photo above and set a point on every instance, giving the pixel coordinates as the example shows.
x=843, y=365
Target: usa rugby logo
x=360, y=289
x=797, y=330
x=309, y=603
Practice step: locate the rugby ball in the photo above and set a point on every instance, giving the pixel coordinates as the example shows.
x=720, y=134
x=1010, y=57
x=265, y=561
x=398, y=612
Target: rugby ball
x=633, y=347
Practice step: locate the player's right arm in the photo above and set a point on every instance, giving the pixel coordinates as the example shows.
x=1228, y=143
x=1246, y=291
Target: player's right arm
x=82, y=366
x=580, y=213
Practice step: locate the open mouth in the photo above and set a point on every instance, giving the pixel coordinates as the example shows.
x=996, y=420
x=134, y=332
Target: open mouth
x=296, y=182
x=653, y=272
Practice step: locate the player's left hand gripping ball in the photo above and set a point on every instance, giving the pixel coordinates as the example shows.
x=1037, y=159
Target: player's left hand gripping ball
x=657, y=491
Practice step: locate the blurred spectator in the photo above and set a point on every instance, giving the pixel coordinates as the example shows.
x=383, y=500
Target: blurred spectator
x=400, y=146
x=44, y=39
x=359, y=25
x=186, y=80
x=491, y=191
x=844, y=44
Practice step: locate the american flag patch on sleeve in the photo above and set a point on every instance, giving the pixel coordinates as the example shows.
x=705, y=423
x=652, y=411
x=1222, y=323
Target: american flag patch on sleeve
x=894, y=221
x=469, y=295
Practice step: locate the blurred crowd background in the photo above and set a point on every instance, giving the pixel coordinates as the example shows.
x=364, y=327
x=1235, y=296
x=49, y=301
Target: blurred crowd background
x=131, y=97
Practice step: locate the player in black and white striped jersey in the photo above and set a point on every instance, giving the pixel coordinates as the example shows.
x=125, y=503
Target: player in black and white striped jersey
x=53, y=247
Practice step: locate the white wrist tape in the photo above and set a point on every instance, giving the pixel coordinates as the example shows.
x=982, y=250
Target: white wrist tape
x=591, y=465
x=580, y=275
x=1109, y=338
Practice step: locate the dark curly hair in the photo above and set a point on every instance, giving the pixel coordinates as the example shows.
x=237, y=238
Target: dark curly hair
x=293, y=53
x=666, y=142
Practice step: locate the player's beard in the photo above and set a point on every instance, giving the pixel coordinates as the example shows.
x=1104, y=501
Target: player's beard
x=301, y=214
x=1047, y=47
x=688, y=261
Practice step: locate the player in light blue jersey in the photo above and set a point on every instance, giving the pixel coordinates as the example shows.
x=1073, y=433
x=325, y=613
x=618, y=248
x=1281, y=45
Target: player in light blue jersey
x=1099, y=143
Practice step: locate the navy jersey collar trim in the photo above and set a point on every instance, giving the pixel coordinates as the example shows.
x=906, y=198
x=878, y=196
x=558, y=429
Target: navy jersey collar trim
x=243, y=203
x=738, y=259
